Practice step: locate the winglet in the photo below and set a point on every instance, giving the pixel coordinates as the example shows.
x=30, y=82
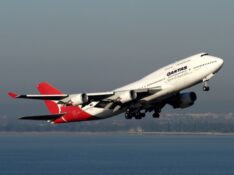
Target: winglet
x=12, y=95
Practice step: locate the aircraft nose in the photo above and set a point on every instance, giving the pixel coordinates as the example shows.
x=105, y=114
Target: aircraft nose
x=220, y=62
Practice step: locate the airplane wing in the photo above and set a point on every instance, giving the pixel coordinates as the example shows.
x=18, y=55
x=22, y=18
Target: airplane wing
x=84, y=98
x=57, y=97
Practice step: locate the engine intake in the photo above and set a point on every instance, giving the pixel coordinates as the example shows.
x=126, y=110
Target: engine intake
x=79, y=99
x=127, y=96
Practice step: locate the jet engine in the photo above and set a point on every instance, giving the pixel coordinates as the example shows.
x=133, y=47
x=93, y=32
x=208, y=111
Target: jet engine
x=126, y=96
x=184, y=100
x=78, y=99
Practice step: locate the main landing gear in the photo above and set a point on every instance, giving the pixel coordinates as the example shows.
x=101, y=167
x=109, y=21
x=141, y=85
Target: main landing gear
x=156, y=113
x=206, y=86
x=137, y=115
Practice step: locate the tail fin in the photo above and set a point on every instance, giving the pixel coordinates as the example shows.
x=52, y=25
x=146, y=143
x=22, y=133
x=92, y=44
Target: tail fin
x=46, y=88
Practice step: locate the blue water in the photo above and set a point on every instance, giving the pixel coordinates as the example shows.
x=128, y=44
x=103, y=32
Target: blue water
x=115, y=154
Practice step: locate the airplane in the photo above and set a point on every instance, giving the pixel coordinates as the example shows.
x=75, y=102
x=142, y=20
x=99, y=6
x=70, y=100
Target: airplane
x=149, y=94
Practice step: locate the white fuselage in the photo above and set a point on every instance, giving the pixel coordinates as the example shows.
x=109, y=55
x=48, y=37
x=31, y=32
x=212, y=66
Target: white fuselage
x=171, y=79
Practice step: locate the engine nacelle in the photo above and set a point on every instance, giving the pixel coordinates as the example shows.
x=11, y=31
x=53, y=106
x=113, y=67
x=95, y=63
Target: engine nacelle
x=79, y=99
x=126, y=96
x=184, y=100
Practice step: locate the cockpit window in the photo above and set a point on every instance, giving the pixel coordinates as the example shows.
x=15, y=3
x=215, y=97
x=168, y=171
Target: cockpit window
x=205, y=54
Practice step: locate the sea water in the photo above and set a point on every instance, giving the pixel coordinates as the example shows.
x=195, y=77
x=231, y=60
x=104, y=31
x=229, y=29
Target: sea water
x=115, y=154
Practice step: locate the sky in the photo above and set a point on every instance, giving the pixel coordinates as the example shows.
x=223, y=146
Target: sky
x=92, y=46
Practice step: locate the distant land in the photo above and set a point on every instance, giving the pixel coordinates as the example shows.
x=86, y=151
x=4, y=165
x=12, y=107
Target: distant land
x=168, y=123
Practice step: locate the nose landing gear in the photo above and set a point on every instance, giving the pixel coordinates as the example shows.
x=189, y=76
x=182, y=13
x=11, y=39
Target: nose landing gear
x=206, y=86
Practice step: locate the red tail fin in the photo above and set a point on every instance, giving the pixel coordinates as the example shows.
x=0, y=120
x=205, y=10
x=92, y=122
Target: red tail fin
x=46, y=88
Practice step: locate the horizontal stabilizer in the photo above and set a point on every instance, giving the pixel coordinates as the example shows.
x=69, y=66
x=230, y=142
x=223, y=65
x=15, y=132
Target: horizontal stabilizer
x=42, y=117
x=12, y=94
x=39, y=97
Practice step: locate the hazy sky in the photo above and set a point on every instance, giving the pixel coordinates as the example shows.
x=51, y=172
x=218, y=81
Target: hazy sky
x=88, y=46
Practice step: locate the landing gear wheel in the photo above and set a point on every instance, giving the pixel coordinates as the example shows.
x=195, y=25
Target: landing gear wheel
x=156, y=115
x=134, y=114
x=142, y=115
x=206, y=88
x=139, y=115
x=128, y=115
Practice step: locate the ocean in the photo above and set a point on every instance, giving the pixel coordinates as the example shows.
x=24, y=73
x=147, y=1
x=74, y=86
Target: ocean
x=115, y=154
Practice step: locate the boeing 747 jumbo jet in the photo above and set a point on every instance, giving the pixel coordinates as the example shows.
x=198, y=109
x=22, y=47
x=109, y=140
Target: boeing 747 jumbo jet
x=149, y=94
